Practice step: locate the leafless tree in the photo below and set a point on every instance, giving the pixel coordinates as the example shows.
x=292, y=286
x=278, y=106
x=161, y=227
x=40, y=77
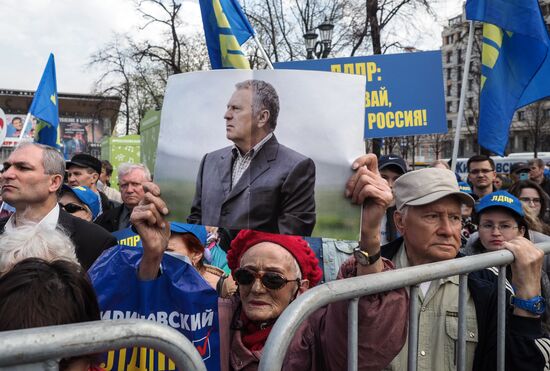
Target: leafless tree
x=536, y=123
x=280, y=25
x=438, y=143
x=361, y=26
x=116, y=79
x=138, y=71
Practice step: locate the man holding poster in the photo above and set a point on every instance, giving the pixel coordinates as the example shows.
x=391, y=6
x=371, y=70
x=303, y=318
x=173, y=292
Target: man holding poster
x=257, y=183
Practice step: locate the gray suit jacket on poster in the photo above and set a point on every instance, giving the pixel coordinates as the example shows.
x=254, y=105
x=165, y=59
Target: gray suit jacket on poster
x=275, y=194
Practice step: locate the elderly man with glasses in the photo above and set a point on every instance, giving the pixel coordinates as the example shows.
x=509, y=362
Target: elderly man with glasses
x=428, y=218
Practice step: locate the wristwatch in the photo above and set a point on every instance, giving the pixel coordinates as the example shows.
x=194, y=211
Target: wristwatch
x=363, y=257
x=535, y=305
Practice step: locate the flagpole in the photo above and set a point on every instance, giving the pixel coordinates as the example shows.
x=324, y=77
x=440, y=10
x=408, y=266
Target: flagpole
x=465, y=76
x=262, y=50
x=25, y=125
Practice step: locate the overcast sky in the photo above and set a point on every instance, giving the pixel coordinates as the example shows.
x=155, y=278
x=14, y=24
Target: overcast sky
x=74, y=29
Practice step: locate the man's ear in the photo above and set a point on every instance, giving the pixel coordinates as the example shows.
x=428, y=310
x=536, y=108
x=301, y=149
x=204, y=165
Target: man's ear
x=263, y=118
x=56, y=181
x=95, y=177
x=399, y=222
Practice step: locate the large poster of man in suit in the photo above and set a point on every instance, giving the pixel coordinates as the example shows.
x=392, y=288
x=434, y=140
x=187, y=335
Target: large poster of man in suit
x=266, y=150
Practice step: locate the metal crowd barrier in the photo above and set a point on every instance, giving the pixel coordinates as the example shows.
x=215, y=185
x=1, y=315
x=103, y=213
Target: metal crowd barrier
x=353, y=288
x=24, y=347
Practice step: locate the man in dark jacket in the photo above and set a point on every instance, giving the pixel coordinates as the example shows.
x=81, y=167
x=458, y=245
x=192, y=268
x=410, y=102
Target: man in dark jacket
x=130, y=181
x=391, y=167
x=32, y=177
x=428, y=217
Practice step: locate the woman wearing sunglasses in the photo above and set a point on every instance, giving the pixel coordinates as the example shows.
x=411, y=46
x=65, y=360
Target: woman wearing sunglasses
x=271, y=271
x=80, y=201
x=501, y=218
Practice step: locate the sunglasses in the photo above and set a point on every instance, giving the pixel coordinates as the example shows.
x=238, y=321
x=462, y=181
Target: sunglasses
x=271, y=280
x=72, y=208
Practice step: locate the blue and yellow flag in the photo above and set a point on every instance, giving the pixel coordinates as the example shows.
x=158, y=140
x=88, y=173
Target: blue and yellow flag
x=226, y=28
x=515, y=49
x=45, y=107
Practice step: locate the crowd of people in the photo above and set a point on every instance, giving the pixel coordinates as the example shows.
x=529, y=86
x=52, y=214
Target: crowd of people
x=66, y=221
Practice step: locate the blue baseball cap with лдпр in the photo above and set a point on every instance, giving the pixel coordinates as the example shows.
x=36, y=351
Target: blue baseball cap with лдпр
x=500, y=199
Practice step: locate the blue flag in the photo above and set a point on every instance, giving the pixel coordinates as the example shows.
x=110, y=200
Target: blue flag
x=226, y=28
x=514, y=68
x=45, y=107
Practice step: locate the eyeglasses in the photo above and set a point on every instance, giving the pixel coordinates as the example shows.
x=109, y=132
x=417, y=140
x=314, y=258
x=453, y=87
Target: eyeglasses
x=72, y=208
x=534, y=200
x=271, y=280
x=503, y=228
x=481, y=171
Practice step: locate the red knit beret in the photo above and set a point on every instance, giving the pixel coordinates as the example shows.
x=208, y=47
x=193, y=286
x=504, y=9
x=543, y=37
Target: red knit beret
x=297, y=246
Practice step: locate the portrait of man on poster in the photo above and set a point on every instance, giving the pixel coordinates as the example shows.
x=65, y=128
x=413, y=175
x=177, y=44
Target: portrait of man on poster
x=257, y=182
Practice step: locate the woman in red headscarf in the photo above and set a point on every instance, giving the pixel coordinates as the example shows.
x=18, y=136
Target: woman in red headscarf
x=271, y=270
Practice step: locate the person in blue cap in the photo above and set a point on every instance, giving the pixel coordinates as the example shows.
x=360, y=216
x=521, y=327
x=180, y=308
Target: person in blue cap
x=80, y=201
x=501, y=219
x=189, y=240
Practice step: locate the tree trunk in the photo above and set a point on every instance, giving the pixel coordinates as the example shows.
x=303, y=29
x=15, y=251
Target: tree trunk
x=372, y=10
x=536, y=141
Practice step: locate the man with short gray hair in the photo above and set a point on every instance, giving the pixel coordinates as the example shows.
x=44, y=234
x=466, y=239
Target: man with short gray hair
x=257, y=183
x=32, y=177
x=428, y=217
x=130, y=182
x=34, y=241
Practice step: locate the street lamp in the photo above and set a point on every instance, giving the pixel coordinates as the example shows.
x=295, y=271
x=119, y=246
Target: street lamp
x=321, y=49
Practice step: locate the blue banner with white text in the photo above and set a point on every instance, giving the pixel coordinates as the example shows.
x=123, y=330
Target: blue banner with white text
x=404, y=92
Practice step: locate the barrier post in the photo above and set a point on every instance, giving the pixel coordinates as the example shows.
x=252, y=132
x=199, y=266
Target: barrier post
x=65, y=341
x=462, y=293
x=353, y=324
x=413, y=328
x=501, y=318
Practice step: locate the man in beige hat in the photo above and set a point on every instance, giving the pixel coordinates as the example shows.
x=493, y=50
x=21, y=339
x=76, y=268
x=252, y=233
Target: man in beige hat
x=428, y=217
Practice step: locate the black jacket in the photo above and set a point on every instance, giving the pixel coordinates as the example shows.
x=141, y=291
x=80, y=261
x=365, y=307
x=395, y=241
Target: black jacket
x=106, y=204
x=526, y=346
x=391, y=230
x=109, y=219
x=89, y=239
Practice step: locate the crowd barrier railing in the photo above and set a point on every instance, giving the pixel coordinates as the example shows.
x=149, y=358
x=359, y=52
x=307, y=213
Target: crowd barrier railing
x=353, y=288
x=31, y=346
